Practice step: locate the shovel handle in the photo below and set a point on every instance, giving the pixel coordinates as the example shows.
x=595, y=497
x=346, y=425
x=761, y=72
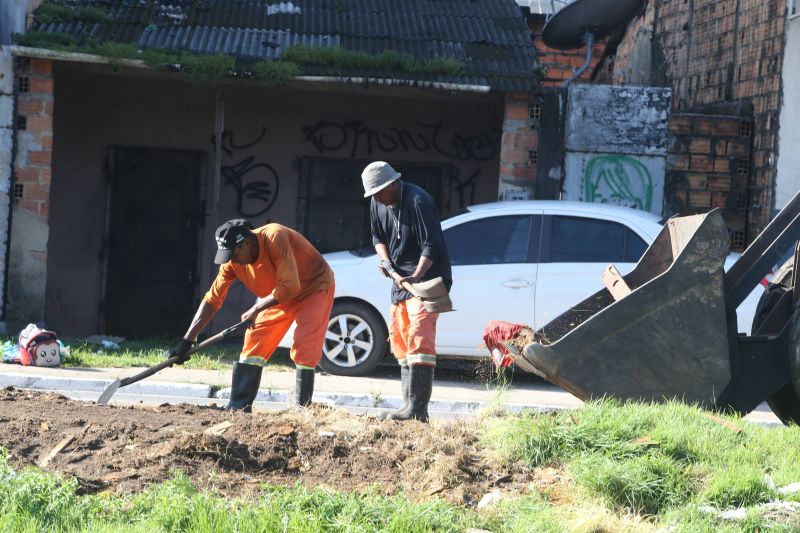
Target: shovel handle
x=387, y=266
x=224, y=334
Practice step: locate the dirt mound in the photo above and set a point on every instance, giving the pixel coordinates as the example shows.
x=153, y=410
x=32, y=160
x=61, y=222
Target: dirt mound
x=124, y=449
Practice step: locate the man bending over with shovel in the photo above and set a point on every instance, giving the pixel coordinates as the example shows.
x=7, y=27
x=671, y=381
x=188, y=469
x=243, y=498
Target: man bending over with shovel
x=292, y=282
x=407, y=236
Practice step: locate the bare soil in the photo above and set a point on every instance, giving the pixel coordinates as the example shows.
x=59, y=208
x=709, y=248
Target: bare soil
x=122, y=450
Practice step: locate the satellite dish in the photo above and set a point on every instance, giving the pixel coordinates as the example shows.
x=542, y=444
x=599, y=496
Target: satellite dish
x=571, y=27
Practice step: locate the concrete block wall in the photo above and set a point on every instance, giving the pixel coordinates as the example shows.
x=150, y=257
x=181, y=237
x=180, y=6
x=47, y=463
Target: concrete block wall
x=709, y=166
x=723, y=52
x=519, y=149
x=31, y=193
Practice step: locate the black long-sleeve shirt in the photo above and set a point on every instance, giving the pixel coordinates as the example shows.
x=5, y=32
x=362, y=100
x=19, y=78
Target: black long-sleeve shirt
x=410, y=230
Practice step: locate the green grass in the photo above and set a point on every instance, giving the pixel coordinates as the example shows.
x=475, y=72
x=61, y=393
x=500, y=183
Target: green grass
x=148, y=352
x=654, y=460
x=33, y=501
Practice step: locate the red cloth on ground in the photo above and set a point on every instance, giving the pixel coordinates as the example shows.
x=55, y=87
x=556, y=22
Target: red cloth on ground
x=494, y=334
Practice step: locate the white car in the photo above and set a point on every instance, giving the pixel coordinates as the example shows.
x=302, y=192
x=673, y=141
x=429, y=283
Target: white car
x=522, y=261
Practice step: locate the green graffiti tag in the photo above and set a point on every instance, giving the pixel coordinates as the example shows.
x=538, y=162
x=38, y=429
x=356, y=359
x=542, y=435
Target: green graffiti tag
x=618, y=179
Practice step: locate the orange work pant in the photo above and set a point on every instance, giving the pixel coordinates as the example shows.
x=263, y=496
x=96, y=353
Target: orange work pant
x=412, y=333
x=312, y=314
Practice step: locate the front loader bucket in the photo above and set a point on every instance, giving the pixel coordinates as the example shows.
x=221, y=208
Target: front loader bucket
x=667, y=338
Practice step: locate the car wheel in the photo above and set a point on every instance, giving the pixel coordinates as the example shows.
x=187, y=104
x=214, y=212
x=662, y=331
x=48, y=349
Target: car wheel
x=356, y=340
x=785, y=403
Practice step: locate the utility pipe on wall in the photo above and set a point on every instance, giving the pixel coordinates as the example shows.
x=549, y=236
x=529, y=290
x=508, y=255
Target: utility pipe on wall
x=219, y=128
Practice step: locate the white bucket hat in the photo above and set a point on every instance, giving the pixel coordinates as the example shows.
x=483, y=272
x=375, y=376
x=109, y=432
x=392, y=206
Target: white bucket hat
x=376, y=176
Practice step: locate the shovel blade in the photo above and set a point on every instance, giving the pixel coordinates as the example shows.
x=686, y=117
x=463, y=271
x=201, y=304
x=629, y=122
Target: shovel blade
x=109, y=392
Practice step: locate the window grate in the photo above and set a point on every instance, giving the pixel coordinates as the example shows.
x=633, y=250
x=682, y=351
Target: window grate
x=19, y=191
x=741, y=201
x=535, y=111
x=533, y=156
x=23, y=84
x=743, y=167
x=745, y=129
x=738, y=239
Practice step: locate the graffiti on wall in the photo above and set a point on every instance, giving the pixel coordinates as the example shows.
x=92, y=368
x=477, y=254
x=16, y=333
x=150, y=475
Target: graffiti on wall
x=635, y=181
x=465, y=188
x=618, y=179
x=329, y=136
x=256, y=183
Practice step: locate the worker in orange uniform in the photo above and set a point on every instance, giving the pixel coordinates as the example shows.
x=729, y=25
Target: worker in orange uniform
x=292, y=282
x=407, y=233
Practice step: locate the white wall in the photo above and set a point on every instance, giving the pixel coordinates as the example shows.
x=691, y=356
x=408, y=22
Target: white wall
x=787, y=182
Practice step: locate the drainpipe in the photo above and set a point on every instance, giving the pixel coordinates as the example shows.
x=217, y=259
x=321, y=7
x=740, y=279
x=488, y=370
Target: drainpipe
x=219, y=128
x=12, y=180
x=588, y=40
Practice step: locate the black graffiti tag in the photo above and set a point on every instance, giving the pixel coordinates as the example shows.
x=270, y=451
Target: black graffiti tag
x=466, y=188
x=261, y=192
x=328, y=136
x=256, y=183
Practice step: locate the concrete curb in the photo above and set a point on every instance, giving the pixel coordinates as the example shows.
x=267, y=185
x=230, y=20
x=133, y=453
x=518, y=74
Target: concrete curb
x=371, y=401
x=150, y=388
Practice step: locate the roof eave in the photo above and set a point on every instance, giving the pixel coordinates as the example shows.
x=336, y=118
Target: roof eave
x=75, y=57
x=79, y=57
x=398, y=82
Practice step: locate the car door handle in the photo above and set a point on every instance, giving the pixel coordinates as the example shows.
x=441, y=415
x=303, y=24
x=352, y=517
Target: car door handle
x=516, y=283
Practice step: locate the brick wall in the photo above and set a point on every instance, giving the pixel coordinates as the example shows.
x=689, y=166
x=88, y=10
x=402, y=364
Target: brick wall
x=519, y=147
x=559, y=65
x=709, y=166
x=719, y=51
x=27, y=264
x=35, y=137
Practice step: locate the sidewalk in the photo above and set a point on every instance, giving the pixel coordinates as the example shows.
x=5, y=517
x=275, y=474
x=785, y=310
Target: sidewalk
x=450, y=395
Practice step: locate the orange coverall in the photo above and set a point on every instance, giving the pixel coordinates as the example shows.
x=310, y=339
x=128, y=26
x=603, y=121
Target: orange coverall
x=293, y=271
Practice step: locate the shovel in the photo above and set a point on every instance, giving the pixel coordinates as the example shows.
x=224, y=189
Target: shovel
x=117, y=383
x=433, y=293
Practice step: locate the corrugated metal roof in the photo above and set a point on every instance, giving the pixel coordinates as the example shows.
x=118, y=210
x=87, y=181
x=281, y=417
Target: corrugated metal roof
x=490, y=37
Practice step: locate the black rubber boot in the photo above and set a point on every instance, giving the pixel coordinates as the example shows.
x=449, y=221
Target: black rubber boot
x=420, y=387
x=244, y=387
x=303, y=386
x=405, y=374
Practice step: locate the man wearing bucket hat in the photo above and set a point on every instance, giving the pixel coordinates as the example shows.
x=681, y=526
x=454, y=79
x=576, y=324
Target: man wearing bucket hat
x=292, y=283
x=407, y=236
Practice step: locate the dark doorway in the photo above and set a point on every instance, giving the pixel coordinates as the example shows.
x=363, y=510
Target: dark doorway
x=152, y=241
x=332, y=211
